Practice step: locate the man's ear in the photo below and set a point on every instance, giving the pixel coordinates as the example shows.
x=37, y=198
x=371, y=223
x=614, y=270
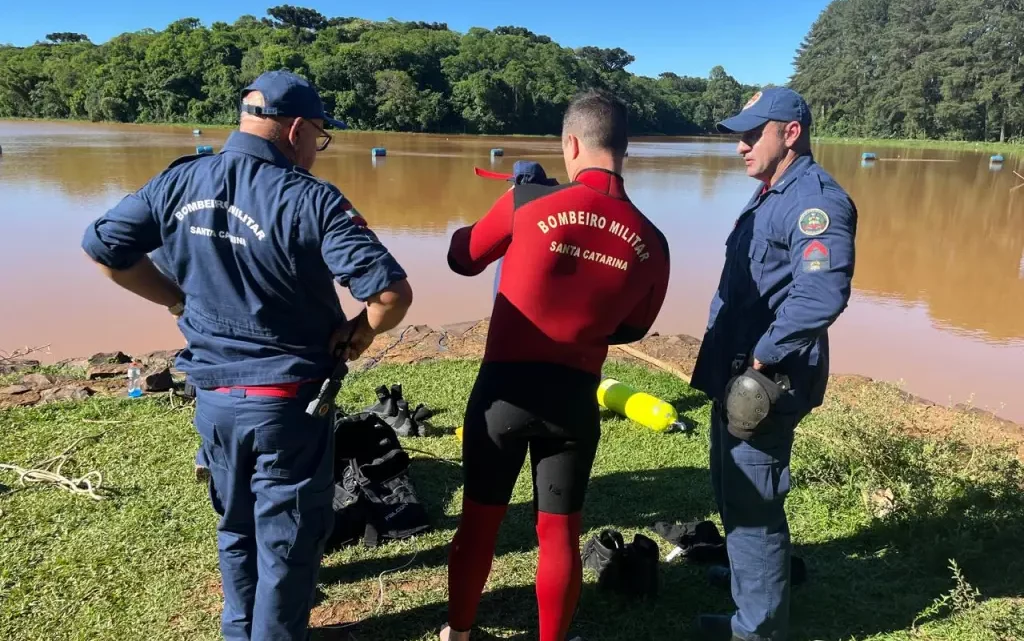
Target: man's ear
x=295, y=131
x=573, y=146
x=793, y=132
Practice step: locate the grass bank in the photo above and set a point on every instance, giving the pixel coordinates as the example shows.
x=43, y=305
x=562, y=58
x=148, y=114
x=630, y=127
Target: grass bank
x=879, y=517
x=1008, y=148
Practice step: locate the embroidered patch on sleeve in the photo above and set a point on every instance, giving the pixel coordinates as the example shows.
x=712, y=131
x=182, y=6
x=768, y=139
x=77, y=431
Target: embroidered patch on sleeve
x=816, y=257
x=813, y=222
x=353, y=213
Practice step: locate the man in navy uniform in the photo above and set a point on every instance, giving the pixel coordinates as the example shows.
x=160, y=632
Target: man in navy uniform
x=764, y=358
x=252, y=242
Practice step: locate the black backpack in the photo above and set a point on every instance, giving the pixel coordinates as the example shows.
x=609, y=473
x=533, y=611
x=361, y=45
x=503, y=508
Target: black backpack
x=374, y=498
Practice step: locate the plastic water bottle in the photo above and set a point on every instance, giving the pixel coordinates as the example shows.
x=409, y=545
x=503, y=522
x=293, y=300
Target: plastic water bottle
x=134, y=380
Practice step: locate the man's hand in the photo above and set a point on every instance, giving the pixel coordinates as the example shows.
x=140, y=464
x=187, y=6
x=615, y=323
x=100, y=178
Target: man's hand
x=353, y=337
x=758, y=365
x=383, y=311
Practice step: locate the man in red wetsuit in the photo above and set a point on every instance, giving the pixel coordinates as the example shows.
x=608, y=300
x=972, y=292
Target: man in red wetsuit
x=582, y=269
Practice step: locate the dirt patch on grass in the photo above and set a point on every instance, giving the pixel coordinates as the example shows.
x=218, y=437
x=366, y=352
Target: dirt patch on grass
x=922, y=417
x=350, y=611
x=339, y=613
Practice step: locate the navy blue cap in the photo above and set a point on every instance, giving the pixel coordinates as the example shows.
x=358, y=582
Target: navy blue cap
x=287, y=94
x=774, y=103
x=530, y=171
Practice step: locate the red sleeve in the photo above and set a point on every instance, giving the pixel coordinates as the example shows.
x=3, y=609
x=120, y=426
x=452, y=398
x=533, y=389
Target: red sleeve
x=473, y=248
x=636, y=325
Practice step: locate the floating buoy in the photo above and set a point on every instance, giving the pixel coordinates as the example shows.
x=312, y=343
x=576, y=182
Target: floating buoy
x=998, y=158
x=197, y=132
x=867, y=155
x=204, y=149
x=378, y=151
x=497, y=152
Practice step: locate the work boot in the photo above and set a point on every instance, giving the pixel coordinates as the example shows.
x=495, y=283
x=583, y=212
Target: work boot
x=715, y=627
x=202, y=473
x=720, y=576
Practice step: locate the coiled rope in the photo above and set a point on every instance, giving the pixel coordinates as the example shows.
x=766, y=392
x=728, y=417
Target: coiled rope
x=50, y=471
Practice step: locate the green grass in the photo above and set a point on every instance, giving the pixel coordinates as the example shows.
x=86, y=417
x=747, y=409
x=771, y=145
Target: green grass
x=1009, y=148
x=142, y=564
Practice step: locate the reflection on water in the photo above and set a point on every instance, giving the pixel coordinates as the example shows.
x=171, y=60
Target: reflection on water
x=939, y=288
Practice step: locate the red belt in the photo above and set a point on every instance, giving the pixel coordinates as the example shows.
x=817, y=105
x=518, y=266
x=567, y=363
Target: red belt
x=278, y=390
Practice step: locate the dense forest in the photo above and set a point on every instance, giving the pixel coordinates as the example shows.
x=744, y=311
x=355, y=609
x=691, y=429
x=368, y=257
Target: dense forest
x=884, y=68
x=916, y=69
x=405, y=76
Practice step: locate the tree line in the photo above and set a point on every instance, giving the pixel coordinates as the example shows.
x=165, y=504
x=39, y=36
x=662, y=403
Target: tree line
x=390, y=75
x=949, y=69
x=916, y=69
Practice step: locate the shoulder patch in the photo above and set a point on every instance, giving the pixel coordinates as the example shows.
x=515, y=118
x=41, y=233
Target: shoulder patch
x=353, y=213
x=813, y=222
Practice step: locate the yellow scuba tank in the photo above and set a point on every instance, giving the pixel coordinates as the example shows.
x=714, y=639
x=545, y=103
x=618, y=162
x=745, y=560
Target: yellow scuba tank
x=649, y=411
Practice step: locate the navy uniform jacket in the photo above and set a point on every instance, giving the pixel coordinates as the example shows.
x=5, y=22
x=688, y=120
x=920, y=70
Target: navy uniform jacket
x=254, y=242
x=787, y=277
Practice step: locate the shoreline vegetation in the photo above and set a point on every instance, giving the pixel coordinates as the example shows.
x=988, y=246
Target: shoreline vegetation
x=907, y=515
x=962, y=80
x=1006, y=148
x=674, y=354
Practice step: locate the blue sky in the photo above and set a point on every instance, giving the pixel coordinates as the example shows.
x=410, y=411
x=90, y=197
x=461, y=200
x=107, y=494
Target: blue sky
x=755, y=41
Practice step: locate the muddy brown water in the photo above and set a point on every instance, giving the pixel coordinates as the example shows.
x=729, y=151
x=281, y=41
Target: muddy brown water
x=938, y=304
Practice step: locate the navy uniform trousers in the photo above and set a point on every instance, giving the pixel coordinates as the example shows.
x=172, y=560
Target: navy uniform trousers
x=271, y=482
x=751, y=482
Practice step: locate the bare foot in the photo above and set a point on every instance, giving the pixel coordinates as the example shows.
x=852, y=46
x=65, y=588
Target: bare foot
x=447, y=634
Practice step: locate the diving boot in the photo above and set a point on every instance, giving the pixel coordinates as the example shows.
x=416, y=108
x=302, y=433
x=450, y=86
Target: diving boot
x=422, y=413
x=385, y=406
x=642, y=557
x=604, y=554
x=402, y=423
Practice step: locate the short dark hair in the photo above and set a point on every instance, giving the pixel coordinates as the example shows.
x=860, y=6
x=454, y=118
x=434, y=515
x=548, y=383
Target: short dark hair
x=599, y=119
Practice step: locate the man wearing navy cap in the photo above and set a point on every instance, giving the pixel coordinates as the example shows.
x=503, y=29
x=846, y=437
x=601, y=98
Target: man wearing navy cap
x=764, y=358
x=252, y=243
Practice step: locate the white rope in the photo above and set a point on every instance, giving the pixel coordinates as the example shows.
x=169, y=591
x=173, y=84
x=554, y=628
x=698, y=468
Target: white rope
x=380, y=598
x=49, y=471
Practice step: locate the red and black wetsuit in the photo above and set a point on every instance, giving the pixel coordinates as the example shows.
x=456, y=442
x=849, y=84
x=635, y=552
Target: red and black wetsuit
x=583, y=268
